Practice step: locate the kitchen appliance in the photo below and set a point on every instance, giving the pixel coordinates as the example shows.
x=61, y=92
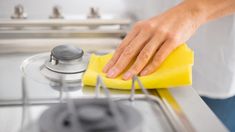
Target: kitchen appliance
x=65, y=64
x=62, y=72
x=50, y=84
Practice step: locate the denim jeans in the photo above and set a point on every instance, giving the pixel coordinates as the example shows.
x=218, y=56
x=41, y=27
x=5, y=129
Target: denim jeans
x=224, y=109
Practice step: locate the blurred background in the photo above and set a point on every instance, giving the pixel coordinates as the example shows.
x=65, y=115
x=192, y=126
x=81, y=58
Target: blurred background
x=79, y=8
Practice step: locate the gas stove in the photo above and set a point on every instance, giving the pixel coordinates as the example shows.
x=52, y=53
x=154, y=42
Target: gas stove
x=72, y=110
x=41, y=88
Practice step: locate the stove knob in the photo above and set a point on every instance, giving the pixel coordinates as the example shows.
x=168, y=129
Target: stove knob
x=94, y=13
x=57, y=13
x=65, y=53
x=19, y=12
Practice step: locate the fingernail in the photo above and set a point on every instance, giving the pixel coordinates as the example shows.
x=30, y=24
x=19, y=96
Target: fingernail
x=143, y=73
x=111, y=73
x=127, y=75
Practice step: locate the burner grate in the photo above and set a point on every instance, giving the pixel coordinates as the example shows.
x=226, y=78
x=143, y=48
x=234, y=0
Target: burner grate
x=92, y=115
x=119, y=113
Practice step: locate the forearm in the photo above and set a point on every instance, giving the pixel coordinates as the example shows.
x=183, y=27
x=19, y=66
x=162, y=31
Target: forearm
x=210, y=9
x=150, y=41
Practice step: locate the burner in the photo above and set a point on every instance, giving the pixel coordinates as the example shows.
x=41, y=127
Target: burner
x=65, y=52
x=65, y=66
x=92, y=115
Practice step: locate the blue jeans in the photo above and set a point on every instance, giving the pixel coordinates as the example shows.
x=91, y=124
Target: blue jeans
x=224, y=109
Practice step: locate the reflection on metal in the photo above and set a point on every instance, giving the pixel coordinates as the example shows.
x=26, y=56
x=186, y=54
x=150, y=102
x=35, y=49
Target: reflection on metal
x=19, y=12
x=57, y=13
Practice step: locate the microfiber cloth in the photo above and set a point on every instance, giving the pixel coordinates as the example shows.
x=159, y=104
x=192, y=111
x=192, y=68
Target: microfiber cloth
x=175, y=71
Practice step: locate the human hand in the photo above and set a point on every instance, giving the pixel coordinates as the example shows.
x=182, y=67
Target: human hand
x=150, y=42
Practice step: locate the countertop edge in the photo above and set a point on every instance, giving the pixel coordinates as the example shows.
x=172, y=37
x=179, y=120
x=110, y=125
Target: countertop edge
x=198, y=113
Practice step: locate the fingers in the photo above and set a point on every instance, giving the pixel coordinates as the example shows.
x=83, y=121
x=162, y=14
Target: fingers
x=159, y=57
x=120, y=49
x=144, y=57
x=128, y=54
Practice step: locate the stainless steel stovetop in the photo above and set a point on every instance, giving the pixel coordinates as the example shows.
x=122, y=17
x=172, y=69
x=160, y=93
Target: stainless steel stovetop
x=72, y=108
x=139, y=112
x=159, y=110
x=26, y=106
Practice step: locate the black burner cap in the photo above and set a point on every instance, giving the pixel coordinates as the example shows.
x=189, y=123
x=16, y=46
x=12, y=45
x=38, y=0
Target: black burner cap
x=66, y=52
x=91, y=115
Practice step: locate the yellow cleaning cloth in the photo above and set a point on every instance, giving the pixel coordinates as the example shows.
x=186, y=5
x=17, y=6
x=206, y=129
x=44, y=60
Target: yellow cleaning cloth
x=175, y=71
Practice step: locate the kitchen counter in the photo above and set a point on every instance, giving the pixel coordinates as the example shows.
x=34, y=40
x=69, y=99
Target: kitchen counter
x=198, y=113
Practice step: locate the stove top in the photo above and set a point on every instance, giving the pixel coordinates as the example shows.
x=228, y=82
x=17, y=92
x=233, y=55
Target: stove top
x=69, y=106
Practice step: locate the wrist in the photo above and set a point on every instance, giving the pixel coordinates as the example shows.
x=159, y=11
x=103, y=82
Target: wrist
x=197, y=9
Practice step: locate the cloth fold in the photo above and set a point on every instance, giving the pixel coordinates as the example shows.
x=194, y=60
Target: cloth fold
x=175, y=71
